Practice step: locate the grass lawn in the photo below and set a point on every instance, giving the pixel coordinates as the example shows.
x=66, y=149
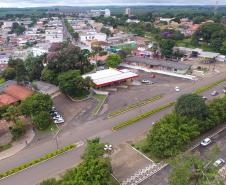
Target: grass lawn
x=5, y=147
x=100, y=99
x=113, y=181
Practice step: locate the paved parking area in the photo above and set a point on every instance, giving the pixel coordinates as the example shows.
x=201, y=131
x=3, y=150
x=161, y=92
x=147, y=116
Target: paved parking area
x=70, y=109
x=163, y=85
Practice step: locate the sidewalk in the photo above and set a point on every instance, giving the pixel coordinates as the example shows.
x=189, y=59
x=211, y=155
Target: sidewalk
x=18, y=145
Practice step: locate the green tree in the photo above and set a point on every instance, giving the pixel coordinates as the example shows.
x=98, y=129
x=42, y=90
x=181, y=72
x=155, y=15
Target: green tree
x=190, y=169
x=12, y=113
x=49, y=76
x=216, y=44
x=9, y=73
x=191, y=105
x=36, y=103
x=223, y=47
x=94, y=149
x=113, y=60
x=170, y=135
x=166, y=47
x=21, y=72
x=17, y=130
x=42, y=120
x=72, y=84
x=34, y=67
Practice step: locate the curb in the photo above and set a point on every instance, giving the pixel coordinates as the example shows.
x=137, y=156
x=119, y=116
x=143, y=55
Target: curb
x=76, y=146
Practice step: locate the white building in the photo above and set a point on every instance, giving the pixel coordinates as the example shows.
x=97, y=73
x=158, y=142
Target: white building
x=38, y=51
x=7, y=24
x=54, y=35
x=107, y=13
x=97, y=13
x=92, y=35
x=127, y=11
x=4, y=59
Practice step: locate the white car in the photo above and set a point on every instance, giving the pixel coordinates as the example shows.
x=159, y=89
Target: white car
x=177, y=89
x=224, y=90
x=206, y=141
x=214, y=93
x=58, y=121
x=147, y=82
x=219, y=162
x=204, y=98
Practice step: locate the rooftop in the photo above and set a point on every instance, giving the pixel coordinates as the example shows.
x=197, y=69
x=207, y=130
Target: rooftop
x=164, y=63
x=17, y=91
x=108, y=76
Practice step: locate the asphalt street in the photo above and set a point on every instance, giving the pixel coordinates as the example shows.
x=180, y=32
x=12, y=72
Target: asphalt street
x=100, y=127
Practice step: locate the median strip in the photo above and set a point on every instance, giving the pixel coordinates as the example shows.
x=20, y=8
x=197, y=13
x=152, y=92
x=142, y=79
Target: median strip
x=209, y=86
x=153, y=111
x=133, y=106
x=36, y=161
x=141, y=116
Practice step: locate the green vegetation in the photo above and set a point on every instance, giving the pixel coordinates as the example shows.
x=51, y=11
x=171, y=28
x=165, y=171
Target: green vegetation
x=100, y=98
x=17, y=28
x=2, y=80
x=173, y=133
x=5, y=147
x=72, y=84
x=133, y=106
x=192, y=169
x=141, y=116
x=94, y=169
x=113, y=60
x=71, y=30
x=36, y=161
x=191, y=105
x=42, y=120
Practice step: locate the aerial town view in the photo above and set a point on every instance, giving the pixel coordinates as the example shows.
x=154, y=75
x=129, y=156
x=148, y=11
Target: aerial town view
x=112, y=92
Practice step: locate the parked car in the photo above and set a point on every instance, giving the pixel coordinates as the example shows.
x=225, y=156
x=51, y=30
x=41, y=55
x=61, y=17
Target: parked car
x=58, y=121
x=206, y=141
x=57, y=118
x=219, y=162
x=214, y=93
x=204, y=98
x=147, y=82
x=177, y=89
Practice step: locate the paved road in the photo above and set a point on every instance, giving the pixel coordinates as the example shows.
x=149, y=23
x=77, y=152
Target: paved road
x=99, y=127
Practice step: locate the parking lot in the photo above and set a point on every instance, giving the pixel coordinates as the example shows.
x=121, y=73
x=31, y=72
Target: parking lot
x=162, y=85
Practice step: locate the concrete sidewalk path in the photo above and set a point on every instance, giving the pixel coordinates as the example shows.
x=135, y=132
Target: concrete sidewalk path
x=18, y=145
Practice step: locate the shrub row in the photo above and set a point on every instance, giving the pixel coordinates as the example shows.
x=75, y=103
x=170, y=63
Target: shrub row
x=141, y=116
x=133, y=106
x=209, y=86
x=38, y=160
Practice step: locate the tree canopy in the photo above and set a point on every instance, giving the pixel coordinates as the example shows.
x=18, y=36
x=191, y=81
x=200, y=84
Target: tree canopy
x=191, y=105
x=113, y=60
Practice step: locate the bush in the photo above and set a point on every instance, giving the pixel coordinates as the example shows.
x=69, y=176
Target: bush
x=42, y=120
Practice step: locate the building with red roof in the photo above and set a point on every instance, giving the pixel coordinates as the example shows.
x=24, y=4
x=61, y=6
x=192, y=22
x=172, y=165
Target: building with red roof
x=14, y=93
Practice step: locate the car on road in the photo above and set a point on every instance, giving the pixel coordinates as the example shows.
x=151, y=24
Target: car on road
x=177, y=89
x=214, y=93
x=57, y=118
x=147, y=82
x=219, y=162
x=205, y=142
